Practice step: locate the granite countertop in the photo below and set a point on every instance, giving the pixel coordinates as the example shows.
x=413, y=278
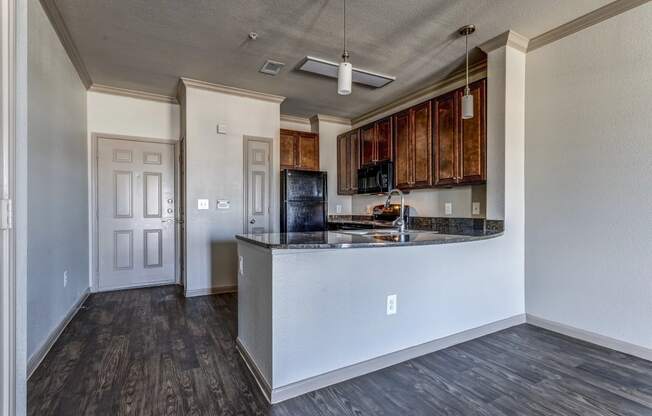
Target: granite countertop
x=343, y=239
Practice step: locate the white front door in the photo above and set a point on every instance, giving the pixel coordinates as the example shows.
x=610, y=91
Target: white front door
x=136, y=214
x=257, y=179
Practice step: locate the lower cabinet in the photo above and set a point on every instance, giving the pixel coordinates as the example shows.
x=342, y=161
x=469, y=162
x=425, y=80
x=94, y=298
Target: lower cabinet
x=348, y=162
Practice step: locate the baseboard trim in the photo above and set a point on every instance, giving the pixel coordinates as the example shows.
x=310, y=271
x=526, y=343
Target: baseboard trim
x=279, y=394
x=264, y=386
x=592, y=337
x=217, y=290
x=37, y=358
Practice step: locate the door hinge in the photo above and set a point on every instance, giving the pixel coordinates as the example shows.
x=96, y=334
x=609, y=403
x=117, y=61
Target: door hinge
x=6, y=214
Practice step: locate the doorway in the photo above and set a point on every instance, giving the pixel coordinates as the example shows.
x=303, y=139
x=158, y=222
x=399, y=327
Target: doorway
x=257, y=185
x=136, y=215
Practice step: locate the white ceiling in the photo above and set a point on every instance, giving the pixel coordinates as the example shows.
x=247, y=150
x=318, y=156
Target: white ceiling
x=147, y=45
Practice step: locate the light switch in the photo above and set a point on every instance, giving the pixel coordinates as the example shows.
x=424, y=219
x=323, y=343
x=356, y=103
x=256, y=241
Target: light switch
x=203, y=204
x=338, y=208
x=448, y=208
x=221, y=129
x=476, y=208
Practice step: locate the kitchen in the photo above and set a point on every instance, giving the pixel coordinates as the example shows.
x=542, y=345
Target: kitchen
x=331, y=207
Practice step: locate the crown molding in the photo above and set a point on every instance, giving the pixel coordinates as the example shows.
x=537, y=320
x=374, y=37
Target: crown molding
x=56, y=20
x=592, y=18
x=330, y=119
x=476, y=71
x=193, y=83
x=295, y=119
x=124, y=92
x=509, y=38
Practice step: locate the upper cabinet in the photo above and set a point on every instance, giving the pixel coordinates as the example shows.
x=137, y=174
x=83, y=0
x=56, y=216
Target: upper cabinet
x=376, y=142
x=299, y=150
x=348, y=162
x=429, y=143
x=413, y=147
x=460, y=145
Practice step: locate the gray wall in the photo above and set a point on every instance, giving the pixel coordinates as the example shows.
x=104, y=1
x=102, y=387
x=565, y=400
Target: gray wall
x=589, y=179
x=57, y=229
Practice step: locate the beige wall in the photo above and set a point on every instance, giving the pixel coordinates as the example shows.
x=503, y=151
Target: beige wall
x=589, y=179
x=214, y=170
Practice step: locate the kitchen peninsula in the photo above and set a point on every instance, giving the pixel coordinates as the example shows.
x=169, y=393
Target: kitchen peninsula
x=317, y=308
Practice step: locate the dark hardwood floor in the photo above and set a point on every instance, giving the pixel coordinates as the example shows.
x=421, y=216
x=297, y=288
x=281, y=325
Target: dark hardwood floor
x=153, y=352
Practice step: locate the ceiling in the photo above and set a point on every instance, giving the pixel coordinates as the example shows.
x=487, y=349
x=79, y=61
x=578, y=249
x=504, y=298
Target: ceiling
x=147, y=45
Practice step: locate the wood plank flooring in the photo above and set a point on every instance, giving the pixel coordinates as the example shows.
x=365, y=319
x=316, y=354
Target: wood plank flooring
x=153, y=352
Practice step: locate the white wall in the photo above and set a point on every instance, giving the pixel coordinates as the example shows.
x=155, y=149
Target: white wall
x=589, y=179
x=328, y=132
x=430, y=202
x=129, y=116
x=214, y=170
x=57, y=182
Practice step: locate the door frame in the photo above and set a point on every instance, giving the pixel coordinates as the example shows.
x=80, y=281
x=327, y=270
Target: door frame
x=245, y=182
x=93, y=211
x=13, y=189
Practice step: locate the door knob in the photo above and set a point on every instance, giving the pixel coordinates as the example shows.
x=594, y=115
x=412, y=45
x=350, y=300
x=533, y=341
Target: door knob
x=252, y=221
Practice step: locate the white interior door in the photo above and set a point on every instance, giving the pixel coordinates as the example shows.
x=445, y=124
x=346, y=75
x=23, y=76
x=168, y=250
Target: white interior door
x=258, y=176
x=136, y=214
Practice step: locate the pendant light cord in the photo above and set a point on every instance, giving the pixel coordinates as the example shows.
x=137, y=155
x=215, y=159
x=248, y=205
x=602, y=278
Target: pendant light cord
x=345, y=54
x=467, y=63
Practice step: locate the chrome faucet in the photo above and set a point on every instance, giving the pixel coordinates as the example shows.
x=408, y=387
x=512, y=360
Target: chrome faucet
x=400, y=221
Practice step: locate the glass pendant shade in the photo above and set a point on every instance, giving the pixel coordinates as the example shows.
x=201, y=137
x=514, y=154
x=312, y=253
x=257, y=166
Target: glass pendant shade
x=467, y=105
x=344, y=78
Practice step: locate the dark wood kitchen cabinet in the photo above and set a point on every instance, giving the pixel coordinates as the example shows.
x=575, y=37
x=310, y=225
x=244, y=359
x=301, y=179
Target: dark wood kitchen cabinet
x=348, y=162
x=460, y=145
x=299, y=150
x=413, y=147
x=376, y=142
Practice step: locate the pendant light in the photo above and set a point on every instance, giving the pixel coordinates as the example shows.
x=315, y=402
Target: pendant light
x=345, y=70
x=467, y=98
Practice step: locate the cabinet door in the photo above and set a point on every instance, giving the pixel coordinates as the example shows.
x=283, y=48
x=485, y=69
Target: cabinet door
x=446, y=117
x=343, y=165
x=403, y=150
x=354, y=160
x=473, y=138
x=421, y=143
x=367, y=144
x=308, y=151
x=383, y=140
x=288, y=154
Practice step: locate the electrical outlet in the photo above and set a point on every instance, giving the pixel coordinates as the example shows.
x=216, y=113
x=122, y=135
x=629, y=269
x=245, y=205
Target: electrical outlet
x=476, y=208
x=241, y=265
x=202, y=204
x=338, y=208
x=448, y=208
x=65, y=278
x=221, y=129
x=370, y=209
x=391, y=305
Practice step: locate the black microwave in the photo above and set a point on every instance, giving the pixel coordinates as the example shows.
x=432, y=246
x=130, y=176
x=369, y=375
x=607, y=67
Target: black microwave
x=377, y=178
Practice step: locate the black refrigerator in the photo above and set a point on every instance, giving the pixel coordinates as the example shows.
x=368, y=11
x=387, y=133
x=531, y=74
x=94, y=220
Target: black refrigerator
x=304, y=201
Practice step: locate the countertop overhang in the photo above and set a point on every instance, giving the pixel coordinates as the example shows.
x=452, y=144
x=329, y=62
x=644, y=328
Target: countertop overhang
x=341, y=240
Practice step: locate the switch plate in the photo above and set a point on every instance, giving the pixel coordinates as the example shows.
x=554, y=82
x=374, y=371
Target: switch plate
x=448, y=208
x=476, y=208
x=223, y=204
x=203, y=204
x=221, y=129
x=338, y=208
x=65, y=278
x=241, y=265
x=391, y=305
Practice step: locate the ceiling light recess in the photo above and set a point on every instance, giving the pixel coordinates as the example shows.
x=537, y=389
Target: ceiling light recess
x=330, y=69
x=272, y=67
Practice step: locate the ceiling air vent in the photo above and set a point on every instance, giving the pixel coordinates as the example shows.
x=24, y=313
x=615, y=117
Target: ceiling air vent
x=272, y=67
x=329, y=69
